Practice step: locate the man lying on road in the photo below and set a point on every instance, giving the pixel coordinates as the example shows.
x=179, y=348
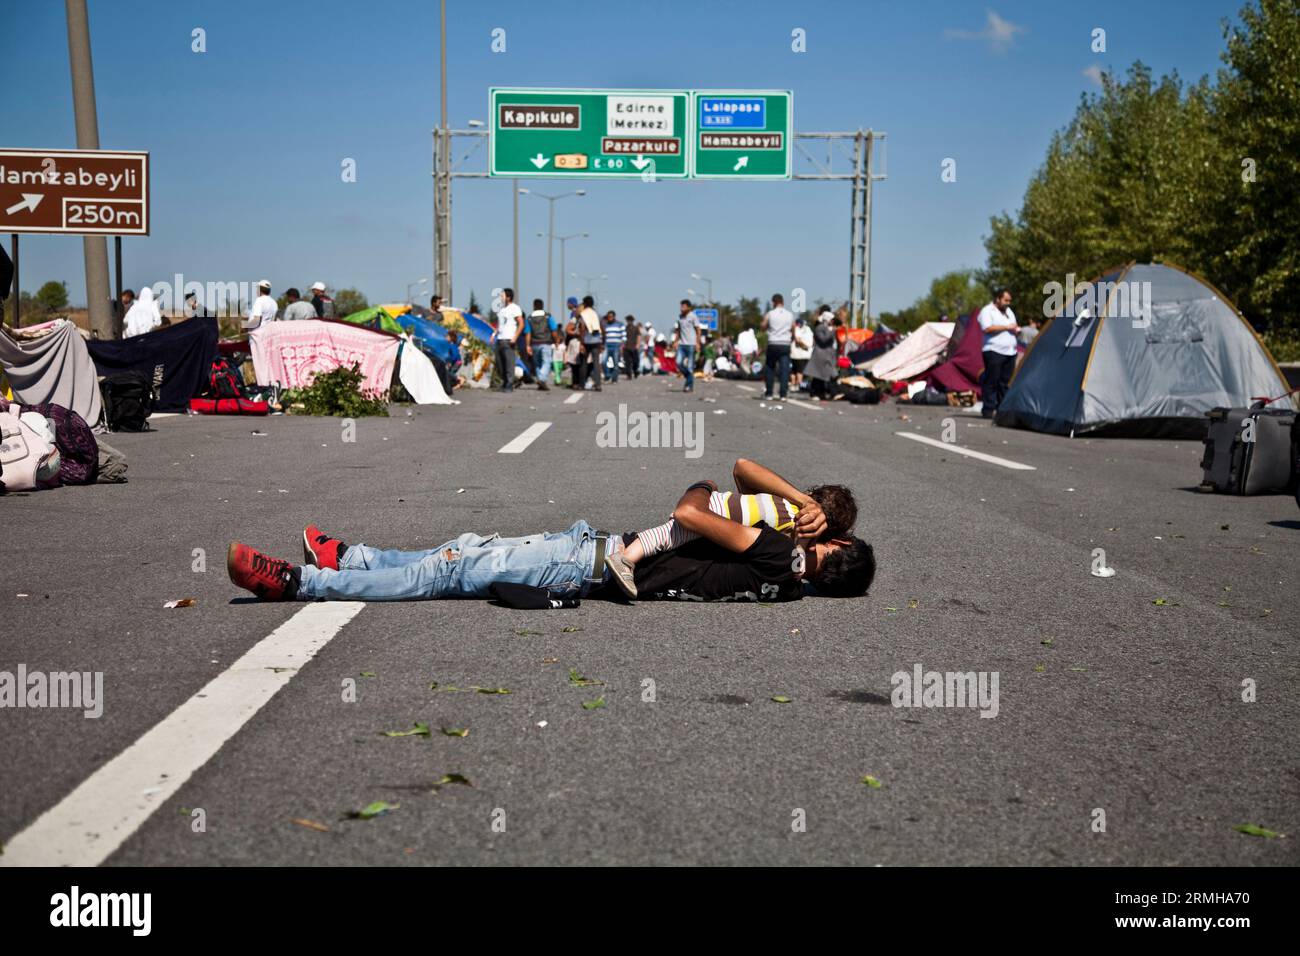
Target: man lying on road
x=728, y=562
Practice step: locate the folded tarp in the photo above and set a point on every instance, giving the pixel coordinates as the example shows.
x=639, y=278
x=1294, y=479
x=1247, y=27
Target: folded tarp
x=290, y=354
x=55, y=369
x=914, y=355
x=176, y=358
x=420, y=378
x=965, y=365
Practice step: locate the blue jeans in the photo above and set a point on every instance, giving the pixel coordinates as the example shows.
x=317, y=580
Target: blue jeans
x=777, y=366
x=542, y=361
x=612, y=354
x=686, y=362
x=465, y=567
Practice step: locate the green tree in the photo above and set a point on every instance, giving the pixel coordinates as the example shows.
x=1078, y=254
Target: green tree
x=52, y=296
x=347, y=301
x=473, y=305
x=1252, y=249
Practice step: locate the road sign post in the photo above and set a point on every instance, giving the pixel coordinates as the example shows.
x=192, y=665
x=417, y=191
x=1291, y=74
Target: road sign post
x=589, y=134
x=741, y=134
x=707, y=319
x=74, y=192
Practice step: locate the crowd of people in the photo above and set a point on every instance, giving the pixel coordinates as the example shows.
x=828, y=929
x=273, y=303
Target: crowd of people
x=586, y=350
x=141, y=314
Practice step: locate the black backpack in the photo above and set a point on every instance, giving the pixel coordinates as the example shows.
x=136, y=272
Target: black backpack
x=128, y=401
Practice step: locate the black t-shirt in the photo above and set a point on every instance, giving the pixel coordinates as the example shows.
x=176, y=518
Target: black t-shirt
x=704, y=571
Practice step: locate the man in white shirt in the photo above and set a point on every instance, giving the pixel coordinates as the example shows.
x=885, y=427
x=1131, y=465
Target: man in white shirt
x=998, y=323
x=297, y=309
x=509, y=325
x=779, y=323
x=264, y=307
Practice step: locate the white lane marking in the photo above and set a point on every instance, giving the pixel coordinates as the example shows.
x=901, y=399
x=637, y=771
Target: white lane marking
x=802, y=403
x=747, y=388
x=87, y=825
x=524, y=439
x=164, y=415
x=957, y=449
x=573, y=399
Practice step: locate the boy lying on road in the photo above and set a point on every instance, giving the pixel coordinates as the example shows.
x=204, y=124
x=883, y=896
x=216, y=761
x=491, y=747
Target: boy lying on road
x=729, y=561
x=745, y=507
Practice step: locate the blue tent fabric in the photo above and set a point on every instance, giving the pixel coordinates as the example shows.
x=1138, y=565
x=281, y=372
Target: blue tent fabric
x=429, y=336
x=478, y=328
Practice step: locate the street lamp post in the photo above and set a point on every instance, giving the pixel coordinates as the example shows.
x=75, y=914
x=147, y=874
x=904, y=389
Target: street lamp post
x=696, y=275
x=550, y=228
x=562, y=240
x=408, y=289
x=590, y=279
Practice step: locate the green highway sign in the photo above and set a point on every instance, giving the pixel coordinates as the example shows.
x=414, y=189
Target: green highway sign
x=589, y=134
x=741, y=134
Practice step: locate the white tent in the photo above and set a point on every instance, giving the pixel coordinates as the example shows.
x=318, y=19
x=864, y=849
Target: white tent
x=920, y=351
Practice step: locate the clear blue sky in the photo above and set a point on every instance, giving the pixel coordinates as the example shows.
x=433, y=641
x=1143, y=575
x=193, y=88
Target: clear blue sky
x=247, y=138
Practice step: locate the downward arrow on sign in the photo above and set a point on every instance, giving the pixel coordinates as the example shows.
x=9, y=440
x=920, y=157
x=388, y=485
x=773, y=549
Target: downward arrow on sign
x=539, y=160
x=30, y=202
x=640, y=162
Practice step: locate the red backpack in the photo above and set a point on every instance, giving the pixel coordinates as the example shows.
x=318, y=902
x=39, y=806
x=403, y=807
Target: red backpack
x=222, y=381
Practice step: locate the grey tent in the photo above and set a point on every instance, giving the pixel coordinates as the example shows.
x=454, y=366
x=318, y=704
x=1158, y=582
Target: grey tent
x=1145, y=351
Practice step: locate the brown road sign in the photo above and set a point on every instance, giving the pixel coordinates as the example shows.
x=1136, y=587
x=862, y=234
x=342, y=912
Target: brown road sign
x=74, y=192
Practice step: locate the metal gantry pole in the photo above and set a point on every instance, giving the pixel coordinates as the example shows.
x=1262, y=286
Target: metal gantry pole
x=866, y=232
x=514, y=189
x=550, y=241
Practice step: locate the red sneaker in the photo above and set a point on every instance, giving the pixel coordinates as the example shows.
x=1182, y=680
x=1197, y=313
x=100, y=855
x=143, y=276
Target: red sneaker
x=320, y=549
x=269, y=578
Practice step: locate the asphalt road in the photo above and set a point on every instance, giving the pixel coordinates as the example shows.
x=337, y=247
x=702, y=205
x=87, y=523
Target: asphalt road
x=1107, y=699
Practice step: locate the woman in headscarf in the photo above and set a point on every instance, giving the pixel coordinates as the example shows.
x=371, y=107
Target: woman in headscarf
x=143, y=316
x=821, y=370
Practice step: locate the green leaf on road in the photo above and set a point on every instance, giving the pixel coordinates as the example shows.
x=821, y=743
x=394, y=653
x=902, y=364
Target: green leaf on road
x=780, y=699
x=376, y=809
x=491, y=690
x=569, y=629
x=419, y=730
x=449, y=778
x=522, y=632
x=1040, y=668
x=1251, y=829
x=367, y=673
x=1161, y=602
x=596, y=704
x=577, y=680
x=1047, y=642
x=456, y=731
x=872, y=782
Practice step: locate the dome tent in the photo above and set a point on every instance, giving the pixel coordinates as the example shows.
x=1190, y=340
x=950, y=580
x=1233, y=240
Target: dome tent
x=1146, y=350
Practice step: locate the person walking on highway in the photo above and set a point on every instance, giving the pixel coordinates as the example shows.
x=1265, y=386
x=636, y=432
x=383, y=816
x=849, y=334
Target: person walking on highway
x=688, y=338
x=779, y=325
x=800, y=351
x=541, y=338
x=822, y=368
x=510, y=325
x=631, y=354
x=1000, y=328
x=615, y=337
x=593, y=342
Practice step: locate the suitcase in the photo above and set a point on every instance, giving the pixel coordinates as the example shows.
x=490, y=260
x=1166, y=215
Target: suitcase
x=1249, y=451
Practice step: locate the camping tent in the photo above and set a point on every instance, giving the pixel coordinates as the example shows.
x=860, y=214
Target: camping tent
x=914, y=355
x=176, y=358
x=428, y=336
x=965, y=365
x=51, y=364
x=1146, y=350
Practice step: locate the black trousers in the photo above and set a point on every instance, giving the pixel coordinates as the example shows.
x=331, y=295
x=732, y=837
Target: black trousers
x=997, y=376
x=632, y=359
